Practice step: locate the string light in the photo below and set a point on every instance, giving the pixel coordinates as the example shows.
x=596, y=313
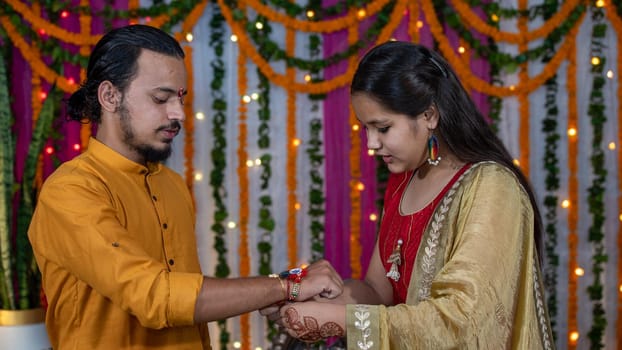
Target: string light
x=419, y=24
x=620, y=217
x=355, y=127
x=310, y=14
x=76, y=146
x=49, y=150
x=565, y=203
x=64, y=14
x=231, y=225
x=361, y=13
x=307, y=78
x=246, y=99
x=297, y=206
x=237, y=344
x=43, y=95
x=41, y=31
x=259, y=25
x=612, y=146
x=360, y=186
x=234, y=38
x=461, y=49
x=610, y=74
x=199, y=116
x=494, y=17
x=600, y=3
x=250, y=163
x=512, y=87
x=296, y=142
x=620, y=288
x=579, y=271
x=572, y=132
x=71, y=81
x=198, y=176
x=371, y=152
x=254, y=96
x=516, y=162
x=189, y=37
x=373, y=217
x=595, y=61
x=574, y=336
x=257, y=161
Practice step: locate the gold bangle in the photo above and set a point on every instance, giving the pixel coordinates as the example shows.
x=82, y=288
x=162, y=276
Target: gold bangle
x=283, y=288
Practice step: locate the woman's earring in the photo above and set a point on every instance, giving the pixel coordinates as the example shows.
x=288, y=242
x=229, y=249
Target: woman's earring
x=433, y=157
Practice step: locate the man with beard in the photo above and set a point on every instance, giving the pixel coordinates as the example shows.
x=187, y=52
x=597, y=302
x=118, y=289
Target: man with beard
x=113, y=230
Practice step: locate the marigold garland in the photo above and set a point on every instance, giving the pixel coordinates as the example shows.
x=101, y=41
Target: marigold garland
x=413, y=19
x=355, y=176
x=292, y=157
x=573, y=186
x=523, y=35
x=523, y=96
x=616, y=23
x=189, y=124
x=327, y=26
x=481, y=85
x=243, y=185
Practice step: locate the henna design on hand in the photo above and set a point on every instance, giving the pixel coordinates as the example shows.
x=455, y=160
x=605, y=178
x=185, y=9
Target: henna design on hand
x=308, y=330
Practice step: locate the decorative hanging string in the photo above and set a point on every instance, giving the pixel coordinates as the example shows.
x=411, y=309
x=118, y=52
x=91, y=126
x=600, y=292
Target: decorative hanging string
x=413, y=21
x=327, y=26
x=616, y=23
x=281, y=80
x=523, y=96
x=243, y=185
x=292, y=157
x=481, y=85
x=355, y=174
x=189, y=124
x=573, y=186
x=473, y=20
x=35, y=96
x=85, y=29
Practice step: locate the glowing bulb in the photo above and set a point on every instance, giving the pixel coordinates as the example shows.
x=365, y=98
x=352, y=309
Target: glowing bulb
x=43, y=95
x=250, y=163
x=199, y=116
x=574, y=336
x=620, y=288
x=310, y=14
x=198, y=176
x=610, y=74
x=461, y=50
x=189, y=37
x=516, y=162
x=494, y=18
x=360, y=186
x=600, y=3
x=258, y=162
x=620, y=217
x=41, y=31
x=612, y=146
x=258, y=348
x=234, y=38
x=579, y=271
x=595, y=61
x=419, y=24
x=355, y=127
x=565, y=203
x=246, y=99
x=307, y=77
x=231, y=225
x=371, y=152
x=512, y=87
x=64, y=14
x=259, y=25
x=49, y=150
x=255, y=96
x=361, y=13
x=237, y=344
x=297, y=206
x=76, y=146
x=373, y=217
x=296, y=142
x=572, y=132
x=71, y=81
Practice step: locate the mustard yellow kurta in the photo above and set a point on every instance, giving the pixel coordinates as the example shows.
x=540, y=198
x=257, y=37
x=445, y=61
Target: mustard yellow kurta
x=116, y=246
x=476, y=283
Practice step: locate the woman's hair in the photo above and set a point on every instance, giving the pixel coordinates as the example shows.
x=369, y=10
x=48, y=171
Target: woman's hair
x=114, y=59
x=407, y=78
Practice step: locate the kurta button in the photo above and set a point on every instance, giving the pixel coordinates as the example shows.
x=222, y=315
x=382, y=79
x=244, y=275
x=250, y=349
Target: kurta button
x=171, y=262
x=164, y=225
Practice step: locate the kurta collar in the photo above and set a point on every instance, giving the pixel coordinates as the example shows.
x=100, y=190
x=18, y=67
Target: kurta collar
x=114, y=159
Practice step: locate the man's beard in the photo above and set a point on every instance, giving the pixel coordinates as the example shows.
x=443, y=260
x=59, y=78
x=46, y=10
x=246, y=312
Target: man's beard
x=149, y=153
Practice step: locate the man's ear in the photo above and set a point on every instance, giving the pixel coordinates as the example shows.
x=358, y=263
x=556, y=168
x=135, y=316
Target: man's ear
x=109, y=96
x=432, y=116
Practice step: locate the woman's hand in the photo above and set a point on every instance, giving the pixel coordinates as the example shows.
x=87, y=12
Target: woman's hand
x=311, y=321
